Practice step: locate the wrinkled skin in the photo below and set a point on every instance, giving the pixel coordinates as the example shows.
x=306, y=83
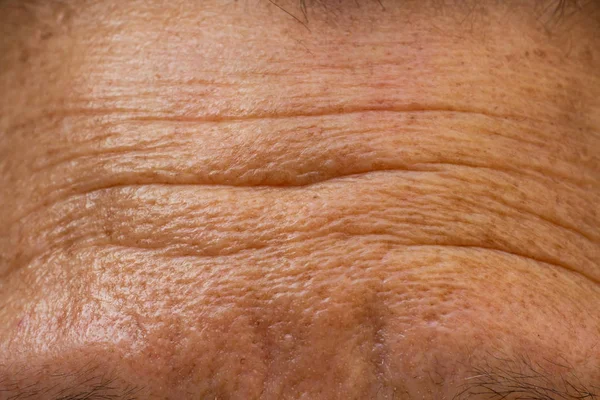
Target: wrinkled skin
x=212, y=200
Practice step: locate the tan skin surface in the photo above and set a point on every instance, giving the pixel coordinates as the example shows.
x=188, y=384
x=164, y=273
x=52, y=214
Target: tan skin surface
x=214, y=200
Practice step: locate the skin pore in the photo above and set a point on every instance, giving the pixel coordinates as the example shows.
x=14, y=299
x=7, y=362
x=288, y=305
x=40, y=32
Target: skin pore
x=299, y=200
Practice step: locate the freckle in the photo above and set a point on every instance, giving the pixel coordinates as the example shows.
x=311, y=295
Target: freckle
x=587, y=56
x=24, y=57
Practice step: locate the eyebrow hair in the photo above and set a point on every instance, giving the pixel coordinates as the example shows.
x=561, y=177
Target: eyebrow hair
x=102, y=391
x=496, y=379
x=524, y=379
x=88, y=383
x=549, y=12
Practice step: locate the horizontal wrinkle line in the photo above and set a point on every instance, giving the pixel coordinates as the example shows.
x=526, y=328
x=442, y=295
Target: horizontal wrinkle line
x=166, y=252
x=70, y=112
x=514, y=254
x=431, y=167
x=533, y=213
x=341, y=111
x=333, y=178
x=158, y=183
x=559, y=265
x=531, y=172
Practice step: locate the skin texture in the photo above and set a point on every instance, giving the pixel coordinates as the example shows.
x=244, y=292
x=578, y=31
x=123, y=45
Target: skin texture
x=353, y=200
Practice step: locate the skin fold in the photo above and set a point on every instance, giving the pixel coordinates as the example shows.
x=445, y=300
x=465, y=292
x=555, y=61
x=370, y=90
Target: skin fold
x=322, y=200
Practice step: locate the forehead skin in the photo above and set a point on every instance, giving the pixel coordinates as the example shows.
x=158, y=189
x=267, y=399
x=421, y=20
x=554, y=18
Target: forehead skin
x=239, y=200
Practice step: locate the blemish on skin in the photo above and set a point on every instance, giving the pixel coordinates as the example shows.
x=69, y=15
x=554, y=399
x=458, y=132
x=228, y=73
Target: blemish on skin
x=430, y=316
x=432, y=324
x=24, y=56
x=587, y=57
x=46, y=35
x=288, y=341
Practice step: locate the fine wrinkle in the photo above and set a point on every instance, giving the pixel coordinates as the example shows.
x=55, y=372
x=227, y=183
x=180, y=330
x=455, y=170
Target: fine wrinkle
x=315, y=180
x=183, y=250
x=171, y=252
x=326, y=112
x=136, y=114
